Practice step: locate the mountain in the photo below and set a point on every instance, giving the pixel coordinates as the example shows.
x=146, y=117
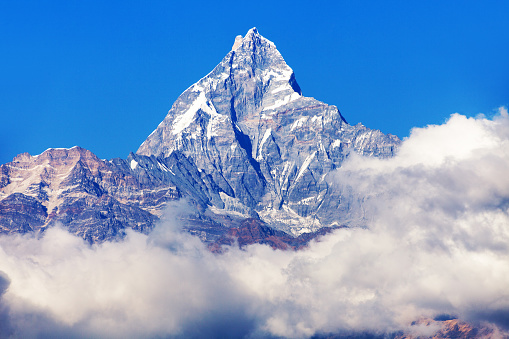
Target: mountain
x=98, y=199
x=243, y=142
x=93, y=198
x=269, y=149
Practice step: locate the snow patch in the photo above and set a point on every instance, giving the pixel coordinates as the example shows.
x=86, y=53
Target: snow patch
x=307, y=201
x=305, y=165
x=284, y=101
x=282, y=88
x=299, y=123
x=289, y=221
x=316, y=117
x=264, y=139
x=271, y=73
x=134, y=164
x=336, y=143
x=232, y=206
x=164, y=168
x=215, y=123
x=221, y=79
x=184, y=120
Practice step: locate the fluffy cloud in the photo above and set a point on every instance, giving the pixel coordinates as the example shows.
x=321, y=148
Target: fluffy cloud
x=137, y=288
x=441, y=206
x=435, y=242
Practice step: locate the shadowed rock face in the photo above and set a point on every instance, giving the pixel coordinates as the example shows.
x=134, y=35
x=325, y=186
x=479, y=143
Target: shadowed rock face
x=73, y=187
x=243, y=142
x=20, y=214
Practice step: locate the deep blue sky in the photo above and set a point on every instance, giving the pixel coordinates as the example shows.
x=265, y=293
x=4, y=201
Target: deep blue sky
x=103, y=74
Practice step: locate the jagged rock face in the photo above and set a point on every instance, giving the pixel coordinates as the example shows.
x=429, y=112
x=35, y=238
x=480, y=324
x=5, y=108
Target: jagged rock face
x=268, y=148
x=73, y=187
x=20, y=214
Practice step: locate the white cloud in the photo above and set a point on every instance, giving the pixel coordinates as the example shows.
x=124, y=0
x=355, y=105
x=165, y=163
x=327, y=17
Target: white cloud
x=436, y=242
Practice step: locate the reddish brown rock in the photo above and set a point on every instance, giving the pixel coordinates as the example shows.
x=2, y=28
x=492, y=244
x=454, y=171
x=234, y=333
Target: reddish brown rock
x=254, y=231
x=455, y=328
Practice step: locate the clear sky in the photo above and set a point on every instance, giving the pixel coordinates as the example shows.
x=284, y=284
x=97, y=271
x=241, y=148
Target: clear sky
x=103, y=74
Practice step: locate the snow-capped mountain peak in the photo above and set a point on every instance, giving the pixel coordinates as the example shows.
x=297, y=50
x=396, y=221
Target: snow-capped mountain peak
x=247, y=125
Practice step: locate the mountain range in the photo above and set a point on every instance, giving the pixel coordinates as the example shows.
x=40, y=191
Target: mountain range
x=241, y=143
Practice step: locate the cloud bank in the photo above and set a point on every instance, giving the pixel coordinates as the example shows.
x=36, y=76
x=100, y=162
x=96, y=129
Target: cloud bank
x=436, y=242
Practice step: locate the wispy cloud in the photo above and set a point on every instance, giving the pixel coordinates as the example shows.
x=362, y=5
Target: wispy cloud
x=436, y=242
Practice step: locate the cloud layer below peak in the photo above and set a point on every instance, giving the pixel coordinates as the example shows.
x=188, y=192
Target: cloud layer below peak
x=436, y=242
